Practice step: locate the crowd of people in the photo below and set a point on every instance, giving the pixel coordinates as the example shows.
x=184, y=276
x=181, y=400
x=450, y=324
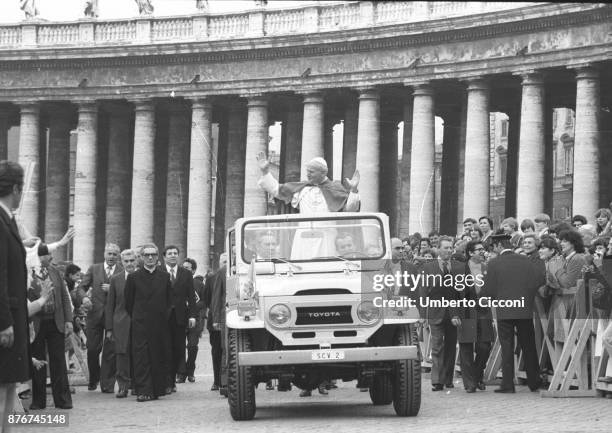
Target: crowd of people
x=536, y=259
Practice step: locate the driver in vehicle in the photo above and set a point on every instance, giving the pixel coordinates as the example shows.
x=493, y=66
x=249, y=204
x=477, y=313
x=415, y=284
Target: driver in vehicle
x=266, y=246
x=345, y=246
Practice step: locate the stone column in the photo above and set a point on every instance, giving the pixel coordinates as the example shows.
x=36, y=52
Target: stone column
x=477, y=142
x=4, y=127
x=119, y=183
x=388, y=168
x=177, y=185
x=143, y=174
x=85, y=184
x=422, y=161
x=349, y=141
x=514, y=126
x=255, y=199
x=293, y=146
x=449, y=188
x=57, y=201
x=585, y=199
x=236, y=147
x=368, y=149
x=29, y=158
x=200, y=184
x=405, y=168
x=530, y=179
x=312, y=130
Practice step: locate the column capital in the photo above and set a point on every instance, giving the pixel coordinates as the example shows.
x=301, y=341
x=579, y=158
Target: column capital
x=143, y=104
x=29, y=107
x=256, y=100
x=477, y=83
x=204, y=103
x=368, y=93
x=314, y=97
x=531, y=77
x=585, y=71
x=422, y=89
x=85, y=106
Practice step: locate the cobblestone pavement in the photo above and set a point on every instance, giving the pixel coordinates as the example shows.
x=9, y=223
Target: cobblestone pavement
x=195, y=409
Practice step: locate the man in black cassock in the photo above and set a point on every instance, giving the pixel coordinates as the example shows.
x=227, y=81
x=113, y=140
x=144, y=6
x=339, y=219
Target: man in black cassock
x=148, y=298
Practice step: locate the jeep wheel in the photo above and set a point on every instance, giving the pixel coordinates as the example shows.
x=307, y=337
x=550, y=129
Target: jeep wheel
x=381, y=391
x=407, y=376
x=240, y=386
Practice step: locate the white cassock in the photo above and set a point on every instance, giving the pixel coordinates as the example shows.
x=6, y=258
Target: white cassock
x=310, y=200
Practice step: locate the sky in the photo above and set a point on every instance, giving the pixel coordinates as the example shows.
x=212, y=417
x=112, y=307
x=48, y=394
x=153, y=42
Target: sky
x=72, y=10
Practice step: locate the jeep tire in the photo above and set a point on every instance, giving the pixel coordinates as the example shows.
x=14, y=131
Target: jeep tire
x=406, y=375
x=381, y=391
x=240, y=384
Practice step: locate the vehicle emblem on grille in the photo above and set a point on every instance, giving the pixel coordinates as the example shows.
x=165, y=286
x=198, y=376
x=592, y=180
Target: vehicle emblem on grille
x=324, y=314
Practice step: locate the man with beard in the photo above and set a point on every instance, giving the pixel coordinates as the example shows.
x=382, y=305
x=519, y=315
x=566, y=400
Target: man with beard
x=148, y=299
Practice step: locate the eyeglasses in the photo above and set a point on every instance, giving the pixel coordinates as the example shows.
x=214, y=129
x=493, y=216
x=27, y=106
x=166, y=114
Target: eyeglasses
x=479, y=249
x=150, y=254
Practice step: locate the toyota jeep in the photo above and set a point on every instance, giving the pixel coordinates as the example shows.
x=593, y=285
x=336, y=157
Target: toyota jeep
x=303, y=309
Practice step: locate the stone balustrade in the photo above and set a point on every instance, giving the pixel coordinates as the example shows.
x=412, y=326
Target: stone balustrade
x=37, y=33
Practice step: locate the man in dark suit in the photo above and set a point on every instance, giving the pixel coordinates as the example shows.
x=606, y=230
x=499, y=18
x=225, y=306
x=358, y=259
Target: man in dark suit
x=217, y=318
x=52, y=324
x=118, y=322
x=214, y=332
x=443, y=332
x=14, y=336
x=182, y=313
x=512, y=276
x=193, y=334
x=97, y=281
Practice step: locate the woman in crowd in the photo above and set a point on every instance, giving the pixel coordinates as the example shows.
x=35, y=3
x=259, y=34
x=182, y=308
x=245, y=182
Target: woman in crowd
x=554, y=262
x=475, y=234
x=603, y=218
x=486, y=227
x=527, y=226
x=572, y=249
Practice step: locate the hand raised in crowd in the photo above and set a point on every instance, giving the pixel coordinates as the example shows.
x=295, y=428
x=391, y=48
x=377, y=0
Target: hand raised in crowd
x=352, y=184
x=67, y=236
x=87, y=303
x=456, y=321
x=192, y=323
x=109, y=335
x=263, y=162
x=46, y=287
x=105, y=287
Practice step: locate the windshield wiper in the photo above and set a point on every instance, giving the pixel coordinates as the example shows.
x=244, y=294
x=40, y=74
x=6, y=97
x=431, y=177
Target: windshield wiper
x=293, y=266
x=347, y=261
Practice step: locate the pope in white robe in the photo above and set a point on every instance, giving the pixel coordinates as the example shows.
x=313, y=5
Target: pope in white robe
x=317, y=195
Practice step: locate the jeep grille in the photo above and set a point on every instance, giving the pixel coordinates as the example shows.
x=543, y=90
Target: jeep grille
x=323, y=315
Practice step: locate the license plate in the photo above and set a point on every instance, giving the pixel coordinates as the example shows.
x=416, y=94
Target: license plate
x=327, y=355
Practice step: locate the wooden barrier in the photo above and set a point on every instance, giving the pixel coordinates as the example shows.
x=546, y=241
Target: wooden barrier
x=576, y=364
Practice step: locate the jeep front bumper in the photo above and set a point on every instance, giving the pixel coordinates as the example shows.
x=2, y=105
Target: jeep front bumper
x=307, y=356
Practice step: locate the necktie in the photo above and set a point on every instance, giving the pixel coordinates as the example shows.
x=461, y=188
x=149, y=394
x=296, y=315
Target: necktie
x=445, y=268
x=172, y=275
x=14, y=225
x=108, y=273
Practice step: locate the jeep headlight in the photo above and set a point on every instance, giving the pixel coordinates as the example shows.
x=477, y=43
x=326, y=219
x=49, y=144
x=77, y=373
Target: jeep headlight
x=368, y=313
x=279, y=315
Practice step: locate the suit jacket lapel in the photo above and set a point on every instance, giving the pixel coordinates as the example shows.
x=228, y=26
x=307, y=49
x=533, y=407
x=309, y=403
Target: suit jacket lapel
x=12, y=229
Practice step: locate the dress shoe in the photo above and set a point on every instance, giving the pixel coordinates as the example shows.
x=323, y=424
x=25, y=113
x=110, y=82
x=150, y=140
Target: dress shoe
x=214, y=387
x=323, y=390
x=537, y=387
x=107, y=391
x=505, y=391
x=64, y=406
x=122, y=393
x=305, y=393
x=191, y=378
x=269, y=386
x=180, y=378
x=92, y=386
x=481, y=386
x=450, y=385
x=470, y=390
x=142, y=398
x=437, y=387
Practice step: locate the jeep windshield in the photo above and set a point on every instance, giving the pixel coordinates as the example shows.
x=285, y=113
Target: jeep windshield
x=302, y=240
